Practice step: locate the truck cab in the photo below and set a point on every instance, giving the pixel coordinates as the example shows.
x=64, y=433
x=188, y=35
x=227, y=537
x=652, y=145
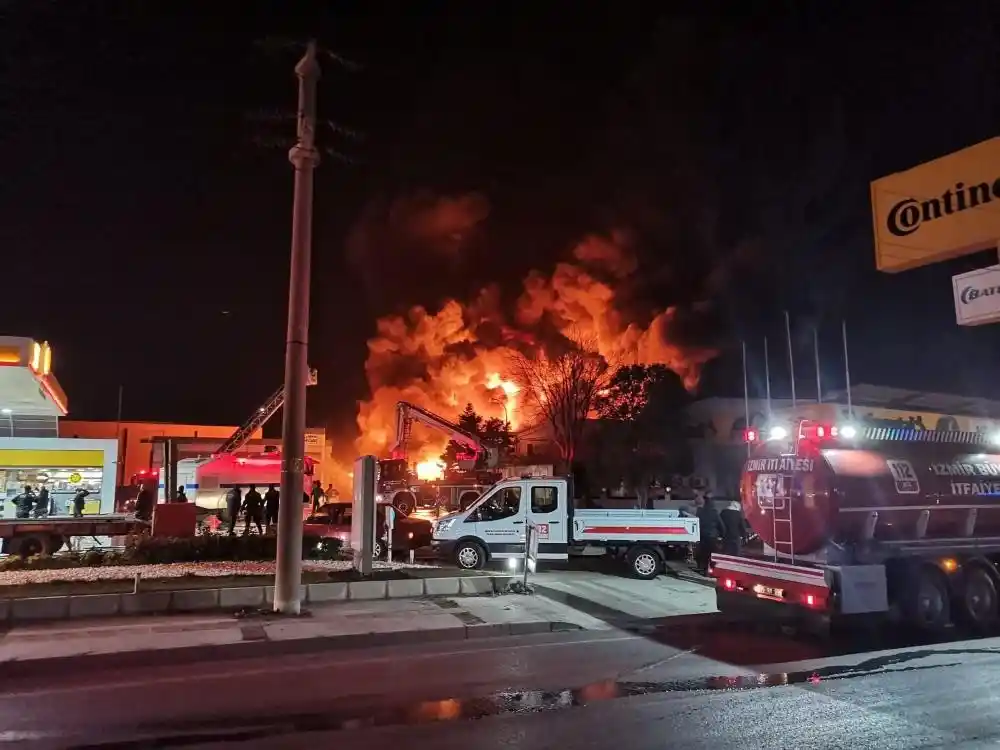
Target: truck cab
x=493, y=528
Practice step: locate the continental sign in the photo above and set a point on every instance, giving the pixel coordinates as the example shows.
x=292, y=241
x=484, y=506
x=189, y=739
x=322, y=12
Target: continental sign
x=942, y=209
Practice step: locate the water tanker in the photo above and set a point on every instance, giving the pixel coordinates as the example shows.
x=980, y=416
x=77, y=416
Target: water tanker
x=823, y=492
x=869, y=521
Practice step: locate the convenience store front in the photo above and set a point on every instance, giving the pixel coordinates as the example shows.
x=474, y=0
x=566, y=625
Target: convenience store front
x=64, y=466
x=31, y=452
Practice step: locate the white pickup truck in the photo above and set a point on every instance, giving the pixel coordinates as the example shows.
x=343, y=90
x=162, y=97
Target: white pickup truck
x=493, y=528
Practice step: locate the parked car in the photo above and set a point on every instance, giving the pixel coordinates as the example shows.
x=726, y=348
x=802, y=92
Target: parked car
x=334, y=520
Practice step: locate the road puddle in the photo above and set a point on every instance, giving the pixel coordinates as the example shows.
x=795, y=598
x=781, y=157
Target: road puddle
x=516, y=702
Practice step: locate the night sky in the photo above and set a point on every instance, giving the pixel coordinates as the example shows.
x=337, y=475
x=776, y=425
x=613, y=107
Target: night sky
x=146, y=197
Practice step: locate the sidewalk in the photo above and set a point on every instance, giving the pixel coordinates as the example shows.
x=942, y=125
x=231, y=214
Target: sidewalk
x=152, y=641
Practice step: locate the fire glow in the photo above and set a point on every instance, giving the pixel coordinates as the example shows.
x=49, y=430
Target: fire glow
x=461, y=353
x=428, y=471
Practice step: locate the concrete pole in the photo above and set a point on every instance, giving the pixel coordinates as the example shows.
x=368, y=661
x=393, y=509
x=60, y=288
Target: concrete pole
x=304, y=157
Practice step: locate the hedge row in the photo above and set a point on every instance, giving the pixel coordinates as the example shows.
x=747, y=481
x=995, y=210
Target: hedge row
x=148, y=550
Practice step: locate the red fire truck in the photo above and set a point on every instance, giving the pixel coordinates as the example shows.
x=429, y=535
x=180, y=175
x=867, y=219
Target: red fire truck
x=862, y=522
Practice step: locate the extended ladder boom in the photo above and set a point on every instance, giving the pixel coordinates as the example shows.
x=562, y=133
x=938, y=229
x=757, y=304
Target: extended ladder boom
x=407, y=412
x=246, y=430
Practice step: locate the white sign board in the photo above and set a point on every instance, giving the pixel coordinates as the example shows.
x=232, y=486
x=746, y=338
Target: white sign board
x=363, y=513
x=977, y=296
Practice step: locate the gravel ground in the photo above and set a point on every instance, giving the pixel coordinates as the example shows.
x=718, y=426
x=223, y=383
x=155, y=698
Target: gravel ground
x=178, y=570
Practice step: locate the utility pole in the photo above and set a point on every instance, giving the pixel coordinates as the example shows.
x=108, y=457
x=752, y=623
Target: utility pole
x=304, y=157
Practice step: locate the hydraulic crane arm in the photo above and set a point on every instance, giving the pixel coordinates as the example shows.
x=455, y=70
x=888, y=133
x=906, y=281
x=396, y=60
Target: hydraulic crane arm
x=267, y=410
x=407, y=413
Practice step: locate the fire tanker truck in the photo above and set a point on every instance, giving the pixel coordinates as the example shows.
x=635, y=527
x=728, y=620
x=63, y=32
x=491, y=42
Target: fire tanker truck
x=456, y=489
x=868, y=522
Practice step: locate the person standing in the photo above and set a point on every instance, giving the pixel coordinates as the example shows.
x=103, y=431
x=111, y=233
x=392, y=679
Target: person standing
x=317, y=495
x=144, y=504
x=253, y=505
x=42, y=502
x=233, y=502
x=79, y=500
x=710, y=528
x=271, y=499
x=24, y=502
x=735, y=528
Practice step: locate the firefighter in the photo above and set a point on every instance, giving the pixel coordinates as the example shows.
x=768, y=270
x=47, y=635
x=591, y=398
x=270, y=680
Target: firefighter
x=271, y=498
x=253, y=505
x=710, y=526
x=233, y=501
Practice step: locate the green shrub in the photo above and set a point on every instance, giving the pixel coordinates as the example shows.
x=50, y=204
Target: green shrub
x=321, y=548
x=144, y=549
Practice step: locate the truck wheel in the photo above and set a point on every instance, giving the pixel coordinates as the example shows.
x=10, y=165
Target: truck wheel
x=643, y=563
x=53, y=544
x=405, y=502
x=377, y=549
x=470, y=556
x=977, y=606
x=26, y=546
x=925, y=602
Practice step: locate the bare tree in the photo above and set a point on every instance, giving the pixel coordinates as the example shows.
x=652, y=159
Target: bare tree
x=562, y=390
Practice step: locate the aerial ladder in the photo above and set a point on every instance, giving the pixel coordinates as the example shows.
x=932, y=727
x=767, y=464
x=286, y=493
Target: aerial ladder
x=407, y=414
x=257, y=420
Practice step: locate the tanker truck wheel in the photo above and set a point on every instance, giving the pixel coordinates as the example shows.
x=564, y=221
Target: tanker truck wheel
x=925, y=601
x=977, y=604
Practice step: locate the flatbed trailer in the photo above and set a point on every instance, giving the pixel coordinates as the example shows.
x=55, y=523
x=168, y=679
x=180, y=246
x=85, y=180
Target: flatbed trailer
x=34, y=536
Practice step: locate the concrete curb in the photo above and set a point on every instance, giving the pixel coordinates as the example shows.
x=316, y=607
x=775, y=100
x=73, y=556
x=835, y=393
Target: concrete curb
x=158, y=602
x=259, y=648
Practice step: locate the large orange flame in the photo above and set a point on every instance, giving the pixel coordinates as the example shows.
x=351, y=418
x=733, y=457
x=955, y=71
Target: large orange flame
x=443, y=360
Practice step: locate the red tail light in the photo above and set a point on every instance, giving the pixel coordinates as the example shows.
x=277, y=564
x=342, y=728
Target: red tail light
x=728, y=584
x=750, y=436
x=810, y=600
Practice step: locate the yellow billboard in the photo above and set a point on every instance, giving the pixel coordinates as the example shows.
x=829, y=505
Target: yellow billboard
x=940, y=210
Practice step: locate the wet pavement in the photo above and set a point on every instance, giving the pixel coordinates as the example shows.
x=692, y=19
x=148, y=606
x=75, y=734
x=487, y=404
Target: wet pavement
x=602, y=689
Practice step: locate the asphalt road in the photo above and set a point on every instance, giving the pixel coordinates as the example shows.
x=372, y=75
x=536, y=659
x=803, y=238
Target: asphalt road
x=666, y=688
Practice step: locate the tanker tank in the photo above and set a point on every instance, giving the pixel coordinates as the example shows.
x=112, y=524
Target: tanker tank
x=882, y=485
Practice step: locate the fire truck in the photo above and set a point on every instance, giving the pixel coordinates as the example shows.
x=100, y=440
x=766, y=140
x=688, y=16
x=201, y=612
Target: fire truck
x=861, y=523
x=398, y=485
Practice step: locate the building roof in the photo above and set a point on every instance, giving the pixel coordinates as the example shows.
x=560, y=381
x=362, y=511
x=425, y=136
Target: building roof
x=902, y=399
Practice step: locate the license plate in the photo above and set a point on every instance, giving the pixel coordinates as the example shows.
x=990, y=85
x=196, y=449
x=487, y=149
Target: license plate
x=769, y=591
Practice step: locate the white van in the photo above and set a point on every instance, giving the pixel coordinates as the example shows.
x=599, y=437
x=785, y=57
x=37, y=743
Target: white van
x=493, y=528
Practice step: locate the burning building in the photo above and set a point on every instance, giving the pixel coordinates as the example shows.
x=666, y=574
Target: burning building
x=460, y=353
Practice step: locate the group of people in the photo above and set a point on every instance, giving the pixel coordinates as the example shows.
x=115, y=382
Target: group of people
x=41, y=504
x=259, y=510
x=728, y=526
x=262, y=510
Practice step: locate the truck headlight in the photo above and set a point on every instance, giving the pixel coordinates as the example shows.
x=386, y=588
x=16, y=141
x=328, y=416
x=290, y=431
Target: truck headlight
x=442, y=526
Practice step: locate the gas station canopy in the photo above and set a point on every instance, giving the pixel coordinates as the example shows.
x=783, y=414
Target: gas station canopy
x=27, y=385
